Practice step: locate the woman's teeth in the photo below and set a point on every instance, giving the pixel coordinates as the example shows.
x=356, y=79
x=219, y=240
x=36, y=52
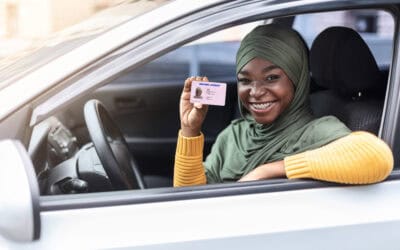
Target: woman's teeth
x=261, y=105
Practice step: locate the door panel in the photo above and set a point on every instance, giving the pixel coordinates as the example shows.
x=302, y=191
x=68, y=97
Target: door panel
x=319, y=218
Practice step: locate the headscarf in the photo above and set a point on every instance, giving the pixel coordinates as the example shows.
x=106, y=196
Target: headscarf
x=246, y=144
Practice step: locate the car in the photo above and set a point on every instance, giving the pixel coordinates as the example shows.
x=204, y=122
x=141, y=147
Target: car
x=102, y=97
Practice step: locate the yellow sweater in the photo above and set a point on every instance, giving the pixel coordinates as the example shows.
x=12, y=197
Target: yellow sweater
x=359, y=158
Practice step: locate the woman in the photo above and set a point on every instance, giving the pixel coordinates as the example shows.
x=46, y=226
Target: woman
x=277, y=135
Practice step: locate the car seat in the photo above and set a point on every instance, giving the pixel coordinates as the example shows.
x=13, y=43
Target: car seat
x=353, y=87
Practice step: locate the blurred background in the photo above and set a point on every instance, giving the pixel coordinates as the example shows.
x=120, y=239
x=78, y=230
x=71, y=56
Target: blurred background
x=24, y=22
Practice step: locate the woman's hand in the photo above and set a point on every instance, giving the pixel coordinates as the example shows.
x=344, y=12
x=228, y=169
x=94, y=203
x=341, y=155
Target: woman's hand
x=192, y=115
x=266, y=171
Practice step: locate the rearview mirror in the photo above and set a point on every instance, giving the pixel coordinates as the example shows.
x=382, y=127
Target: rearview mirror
x=19, y=194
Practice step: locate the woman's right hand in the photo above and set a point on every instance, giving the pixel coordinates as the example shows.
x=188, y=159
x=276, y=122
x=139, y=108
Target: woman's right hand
x=192, y=115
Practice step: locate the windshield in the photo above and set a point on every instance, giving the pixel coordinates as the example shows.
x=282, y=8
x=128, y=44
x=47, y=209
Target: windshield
x=41, y=52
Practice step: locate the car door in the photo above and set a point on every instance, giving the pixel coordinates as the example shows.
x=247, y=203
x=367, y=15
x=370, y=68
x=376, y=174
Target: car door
x=302, y=215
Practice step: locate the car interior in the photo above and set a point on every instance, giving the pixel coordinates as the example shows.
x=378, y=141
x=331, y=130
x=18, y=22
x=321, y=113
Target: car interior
x=354, y=87
x=136, y=115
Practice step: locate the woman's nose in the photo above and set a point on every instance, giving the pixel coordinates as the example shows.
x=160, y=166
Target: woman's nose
x=257, y=90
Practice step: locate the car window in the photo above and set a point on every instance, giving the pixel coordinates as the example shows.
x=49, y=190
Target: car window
x=212, y=55
x=144, y=102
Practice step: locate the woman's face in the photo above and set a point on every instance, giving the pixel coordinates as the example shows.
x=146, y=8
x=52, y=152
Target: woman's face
x=264, y=90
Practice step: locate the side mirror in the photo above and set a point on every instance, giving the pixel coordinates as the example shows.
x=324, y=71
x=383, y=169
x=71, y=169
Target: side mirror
x=19, y=194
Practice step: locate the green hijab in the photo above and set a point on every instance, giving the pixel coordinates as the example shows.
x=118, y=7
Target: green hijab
x=246, y=144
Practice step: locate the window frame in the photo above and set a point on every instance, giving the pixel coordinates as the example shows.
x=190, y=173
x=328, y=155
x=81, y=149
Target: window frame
x=390, y=124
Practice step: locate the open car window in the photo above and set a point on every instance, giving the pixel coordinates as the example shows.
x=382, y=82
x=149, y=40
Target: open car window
x=144, y=101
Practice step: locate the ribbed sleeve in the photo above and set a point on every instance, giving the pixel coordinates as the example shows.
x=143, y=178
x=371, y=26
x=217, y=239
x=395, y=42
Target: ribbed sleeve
x=359, y=158
x=188, y=169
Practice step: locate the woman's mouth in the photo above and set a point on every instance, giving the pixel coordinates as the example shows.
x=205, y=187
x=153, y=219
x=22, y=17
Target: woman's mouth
x=261, y=106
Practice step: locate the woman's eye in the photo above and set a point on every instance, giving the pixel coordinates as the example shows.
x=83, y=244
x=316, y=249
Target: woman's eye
x=271, y=78
x=243, y=81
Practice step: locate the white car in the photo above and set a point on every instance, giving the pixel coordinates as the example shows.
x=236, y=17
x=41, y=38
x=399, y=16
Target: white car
x=74, y=175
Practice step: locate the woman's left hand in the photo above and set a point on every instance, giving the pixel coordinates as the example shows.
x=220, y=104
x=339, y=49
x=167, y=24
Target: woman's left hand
x=266, y=171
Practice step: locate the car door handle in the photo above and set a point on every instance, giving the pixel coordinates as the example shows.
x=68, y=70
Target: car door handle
x=129, y=103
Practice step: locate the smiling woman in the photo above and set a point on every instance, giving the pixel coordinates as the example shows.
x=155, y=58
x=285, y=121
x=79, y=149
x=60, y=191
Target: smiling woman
x=277, y=135
x=264, y=90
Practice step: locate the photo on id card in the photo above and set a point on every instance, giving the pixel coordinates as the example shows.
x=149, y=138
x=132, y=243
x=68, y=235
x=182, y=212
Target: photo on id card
x=210, y=93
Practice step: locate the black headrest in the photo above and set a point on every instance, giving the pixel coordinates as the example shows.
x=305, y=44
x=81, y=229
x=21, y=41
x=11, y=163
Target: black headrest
x=341, y=60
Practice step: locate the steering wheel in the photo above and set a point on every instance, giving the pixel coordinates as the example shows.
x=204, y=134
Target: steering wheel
x=112, y=148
